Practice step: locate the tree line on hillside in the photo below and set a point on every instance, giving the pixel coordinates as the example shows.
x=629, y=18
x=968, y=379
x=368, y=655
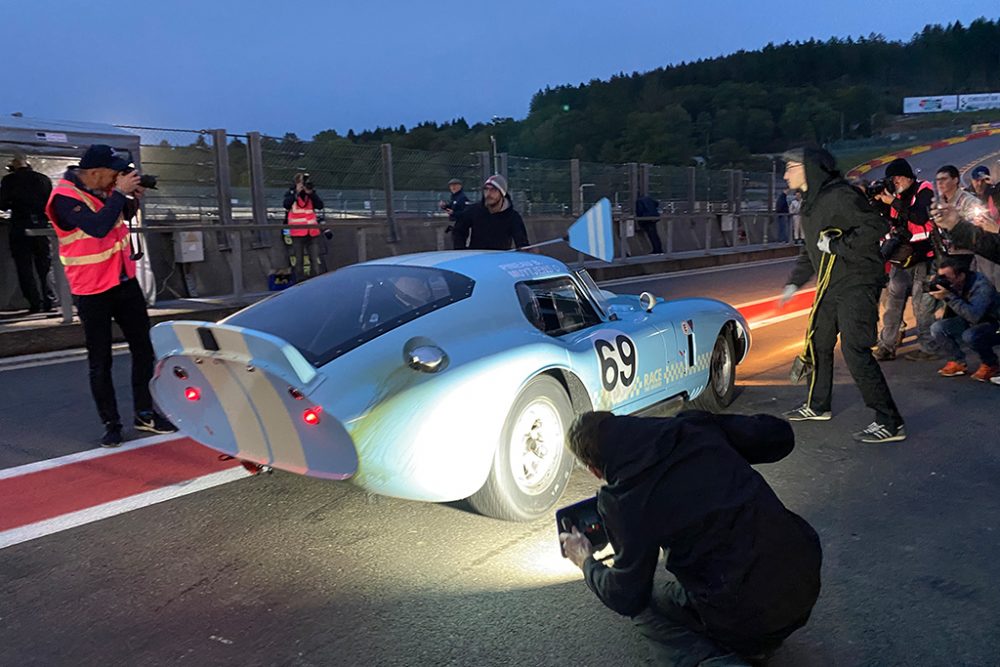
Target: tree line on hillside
x=718, y=111
x=726, y=108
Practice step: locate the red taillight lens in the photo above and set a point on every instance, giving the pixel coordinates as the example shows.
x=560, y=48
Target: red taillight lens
x=311, y=416
x=192, y=393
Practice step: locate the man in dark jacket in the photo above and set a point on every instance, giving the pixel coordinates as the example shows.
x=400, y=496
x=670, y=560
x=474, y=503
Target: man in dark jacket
x=647, y=210
x=842, y=235
x=747, y=569
x=493, y=222
x=24, y=192
x=457, y=204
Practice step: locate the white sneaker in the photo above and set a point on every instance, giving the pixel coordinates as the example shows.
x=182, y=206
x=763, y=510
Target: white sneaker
x=805, y=413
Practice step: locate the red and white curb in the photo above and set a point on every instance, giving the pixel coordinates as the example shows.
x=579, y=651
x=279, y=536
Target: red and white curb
x=47, y=497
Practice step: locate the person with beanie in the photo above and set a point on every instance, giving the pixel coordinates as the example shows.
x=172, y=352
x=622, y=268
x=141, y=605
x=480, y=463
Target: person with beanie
x=911, y=225
x=492, y=222
x=842, y=234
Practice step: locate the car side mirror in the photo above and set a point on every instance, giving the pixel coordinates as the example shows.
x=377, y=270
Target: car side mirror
x=647, y=301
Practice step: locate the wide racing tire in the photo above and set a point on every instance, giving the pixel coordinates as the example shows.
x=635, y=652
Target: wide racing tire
x=718, y=394
x=531, y=466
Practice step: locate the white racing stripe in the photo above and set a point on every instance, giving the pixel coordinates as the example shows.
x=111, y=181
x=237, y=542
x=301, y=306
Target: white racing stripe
x=73, y=519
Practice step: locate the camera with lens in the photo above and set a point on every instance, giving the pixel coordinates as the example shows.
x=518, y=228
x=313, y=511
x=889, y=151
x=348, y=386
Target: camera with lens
x=307, y=181
x=936, y=282
x=877, y=187
x=146, y=181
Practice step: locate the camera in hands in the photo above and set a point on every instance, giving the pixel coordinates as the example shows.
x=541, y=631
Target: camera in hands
x=586, y=519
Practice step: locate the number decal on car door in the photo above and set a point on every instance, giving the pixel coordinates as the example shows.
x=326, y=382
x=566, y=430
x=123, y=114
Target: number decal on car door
x=619, y=361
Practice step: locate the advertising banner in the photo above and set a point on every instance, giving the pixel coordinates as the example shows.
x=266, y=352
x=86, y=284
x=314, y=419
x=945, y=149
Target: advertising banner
x=979, y=101
x=930, y=104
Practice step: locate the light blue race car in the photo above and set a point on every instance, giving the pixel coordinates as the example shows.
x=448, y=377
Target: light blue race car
x=441, y=376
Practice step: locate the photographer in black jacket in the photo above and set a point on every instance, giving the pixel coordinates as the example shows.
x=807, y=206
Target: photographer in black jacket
x=842, y=246
x=910, y=250
x=24, y=192
x=493, y=222
x=747, y=569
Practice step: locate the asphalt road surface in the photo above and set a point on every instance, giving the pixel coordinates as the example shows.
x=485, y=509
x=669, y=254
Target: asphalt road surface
x=285, y=570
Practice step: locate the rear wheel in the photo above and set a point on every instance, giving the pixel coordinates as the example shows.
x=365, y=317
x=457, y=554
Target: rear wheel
x=721, y=388
x=531, y=465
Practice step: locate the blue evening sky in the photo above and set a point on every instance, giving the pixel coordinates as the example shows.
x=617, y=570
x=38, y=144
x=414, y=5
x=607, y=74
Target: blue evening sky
x=307, y=66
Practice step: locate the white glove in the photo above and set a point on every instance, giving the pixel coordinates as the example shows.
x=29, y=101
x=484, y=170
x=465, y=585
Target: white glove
x=823, y=243
x=787, y=294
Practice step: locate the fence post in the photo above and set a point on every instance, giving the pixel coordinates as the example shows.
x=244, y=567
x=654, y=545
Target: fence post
x=362, y=238
x=62, y=284
x=387, y=185
x=257, y=200
x=484, y=166
x=502, y=158
x=236, y=259
x=644, y=170
x=633, y=186
x=576, y=194
x=692, y=193
x=223, y=184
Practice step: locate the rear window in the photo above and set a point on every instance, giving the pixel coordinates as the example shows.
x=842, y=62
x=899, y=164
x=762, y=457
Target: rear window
x=335, y=313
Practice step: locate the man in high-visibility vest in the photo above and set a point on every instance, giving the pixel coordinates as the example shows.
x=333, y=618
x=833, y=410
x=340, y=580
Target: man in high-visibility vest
x=910, y=215
x=88, y=209
x=301, y=204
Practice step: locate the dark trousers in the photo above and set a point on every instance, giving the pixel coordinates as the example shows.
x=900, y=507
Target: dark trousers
x=302, y=245
x=649, y=229
x=33, y=257
x=951, y=332
x=678, y=635
x=126, y=305
x=852, y=313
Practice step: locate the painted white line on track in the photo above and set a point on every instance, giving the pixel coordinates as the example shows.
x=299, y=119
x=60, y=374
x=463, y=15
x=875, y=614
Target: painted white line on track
x=50, y=358
x=759, y=324
x=73, y=519
x=58, y=462
x=696, y=272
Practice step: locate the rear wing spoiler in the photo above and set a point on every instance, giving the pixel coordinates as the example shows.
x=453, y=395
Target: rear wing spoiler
x=246, y=346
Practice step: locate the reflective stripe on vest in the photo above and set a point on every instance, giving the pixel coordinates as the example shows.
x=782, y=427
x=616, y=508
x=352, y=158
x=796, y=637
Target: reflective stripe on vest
x=302, y=215
x=917, y=232
x=93, y=265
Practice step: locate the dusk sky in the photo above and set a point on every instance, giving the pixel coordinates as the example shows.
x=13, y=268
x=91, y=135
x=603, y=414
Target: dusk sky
x=307, y=66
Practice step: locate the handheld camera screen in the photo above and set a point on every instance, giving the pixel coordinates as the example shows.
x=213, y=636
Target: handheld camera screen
x=585, y=517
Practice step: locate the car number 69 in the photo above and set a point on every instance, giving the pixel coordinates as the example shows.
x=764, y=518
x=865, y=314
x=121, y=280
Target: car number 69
x=618, y=361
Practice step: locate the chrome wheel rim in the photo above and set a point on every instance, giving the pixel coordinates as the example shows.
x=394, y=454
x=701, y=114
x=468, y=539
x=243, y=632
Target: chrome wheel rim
x=536, y=446
x=721, y=368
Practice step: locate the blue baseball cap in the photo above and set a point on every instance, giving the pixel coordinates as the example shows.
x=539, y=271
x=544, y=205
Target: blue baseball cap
x=102, y=156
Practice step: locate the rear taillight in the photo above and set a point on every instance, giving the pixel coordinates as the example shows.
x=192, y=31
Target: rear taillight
x=192, y=393
x=311, y=416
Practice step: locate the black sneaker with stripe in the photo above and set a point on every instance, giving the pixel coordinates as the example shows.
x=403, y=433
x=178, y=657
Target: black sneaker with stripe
x=805, y=413
x=877, y=433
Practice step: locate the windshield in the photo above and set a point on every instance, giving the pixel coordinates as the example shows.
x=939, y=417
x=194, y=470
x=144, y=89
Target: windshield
x=595, y=292
x=335, y=313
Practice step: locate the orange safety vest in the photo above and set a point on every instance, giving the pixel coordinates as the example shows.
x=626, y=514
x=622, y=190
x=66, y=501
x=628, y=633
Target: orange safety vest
x=301, y=215
x=93, y=265
x=918, y=233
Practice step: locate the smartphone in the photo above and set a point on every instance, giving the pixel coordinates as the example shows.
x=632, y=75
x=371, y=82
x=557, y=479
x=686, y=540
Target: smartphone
x=585, y=517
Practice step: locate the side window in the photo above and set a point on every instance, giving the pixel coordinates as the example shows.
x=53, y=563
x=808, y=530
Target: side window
x=555, y=306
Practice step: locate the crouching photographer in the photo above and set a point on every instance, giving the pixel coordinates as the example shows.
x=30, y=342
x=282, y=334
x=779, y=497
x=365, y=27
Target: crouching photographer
x=971, y=316
x=746, y=570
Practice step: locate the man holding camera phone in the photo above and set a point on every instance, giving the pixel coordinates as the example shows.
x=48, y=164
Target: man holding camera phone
x=971, y=317
x=302, y=203
x=88, y=209
x=747, y=570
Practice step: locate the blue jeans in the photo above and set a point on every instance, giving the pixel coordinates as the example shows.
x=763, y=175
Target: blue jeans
x=950, y=333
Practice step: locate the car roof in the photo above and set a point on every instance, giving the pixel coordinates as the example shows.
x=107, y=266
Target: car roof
x=482, y=265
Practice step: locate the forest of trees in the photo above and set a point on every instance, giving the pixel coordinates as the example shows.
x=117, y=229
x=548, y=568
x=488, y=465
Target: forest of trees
x=727, y=108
